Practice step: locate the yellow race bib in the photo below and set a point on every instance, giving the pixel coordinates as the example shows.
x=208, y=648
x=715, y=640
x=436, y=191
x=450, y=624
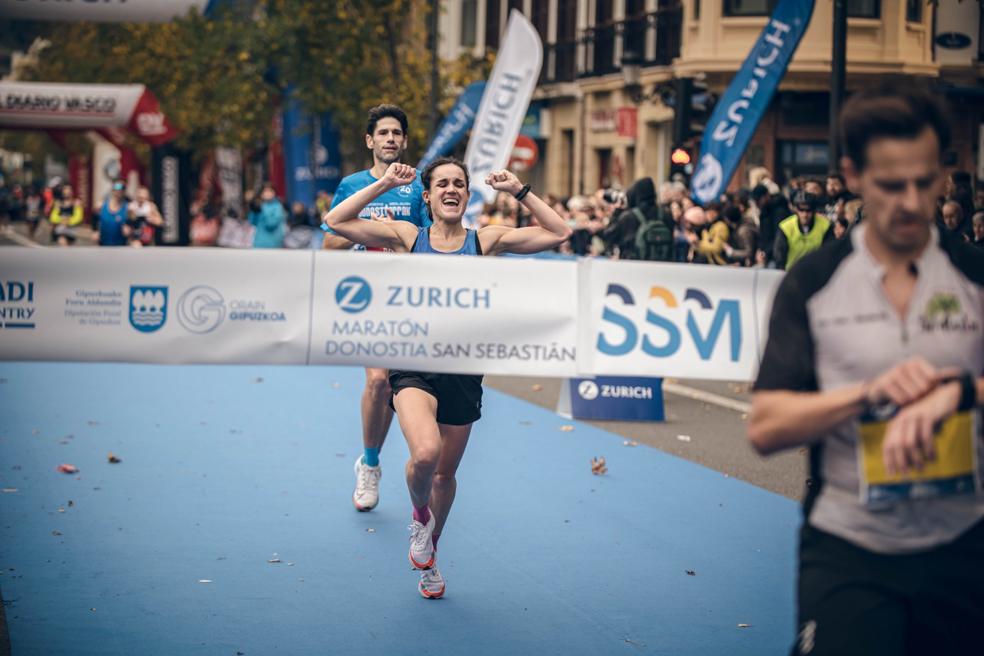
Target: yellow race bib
x=953, y=471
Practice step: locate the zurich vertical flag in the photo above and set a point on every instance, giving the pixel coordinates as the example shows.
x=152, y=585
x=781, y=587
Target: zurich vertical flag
x=740, y=109
x=454, y=127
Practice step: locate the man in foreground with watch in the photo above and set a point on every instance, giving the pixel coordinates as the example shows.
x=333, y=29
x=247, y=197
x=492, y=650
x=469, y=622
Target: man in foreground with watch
x=874, y=360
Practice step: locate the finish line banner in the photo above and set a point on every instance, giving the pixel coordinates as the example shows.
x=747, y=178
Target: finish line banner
x=432, y=313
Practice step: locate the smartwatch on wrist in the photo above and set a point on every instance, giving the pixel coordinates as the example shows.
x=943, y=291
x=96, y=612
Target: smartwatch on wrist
x=968, y=390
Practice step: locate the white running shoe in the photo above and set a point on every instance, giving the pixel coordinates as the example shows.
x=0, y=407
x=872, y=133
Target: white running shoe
x=422, y=544
x=366, y=494
x=431, y=583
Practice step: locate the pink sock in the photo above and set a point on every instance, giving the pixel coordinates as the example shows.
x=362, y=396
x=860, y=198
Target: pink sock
x=434, y=538
x=422, y=514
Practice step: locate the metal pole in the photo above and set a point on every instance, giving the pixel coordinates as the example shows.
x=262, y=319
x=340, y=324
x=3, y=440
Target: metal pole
x=435, y=76
x=837, y=74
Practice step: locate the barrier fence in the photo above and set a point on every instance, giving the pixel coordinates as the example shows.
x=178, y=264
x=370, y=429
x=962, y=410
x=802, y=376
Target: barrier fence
x=425, y=312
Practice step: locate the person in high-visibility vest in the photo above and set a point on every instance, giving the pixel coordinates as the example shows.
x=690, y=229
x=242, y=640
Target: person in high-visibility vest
x=66, y=214
x=803, y=232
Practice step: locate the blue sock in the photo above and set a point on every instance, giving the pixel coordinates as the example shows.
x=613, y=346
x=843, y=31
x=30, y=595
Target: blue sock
x=370, y=457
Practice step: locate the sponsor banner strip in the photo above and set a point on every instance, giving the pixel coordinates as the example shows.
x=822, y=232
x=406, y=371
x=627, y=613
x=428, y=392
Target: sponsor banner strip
x=512, y=316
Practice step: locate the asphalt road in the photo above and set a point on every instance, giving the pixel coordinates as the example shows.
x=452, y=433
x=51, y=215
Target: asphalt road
x=717, y=434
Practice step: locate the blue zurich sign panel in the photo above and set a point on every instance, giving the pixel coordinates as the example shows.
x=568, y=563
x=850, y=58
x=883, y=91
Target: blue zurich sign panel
x=617, y=398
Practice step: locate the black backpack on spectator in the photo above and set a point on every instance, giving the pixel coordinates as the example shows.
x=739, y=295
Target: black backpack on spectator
x=654, y=239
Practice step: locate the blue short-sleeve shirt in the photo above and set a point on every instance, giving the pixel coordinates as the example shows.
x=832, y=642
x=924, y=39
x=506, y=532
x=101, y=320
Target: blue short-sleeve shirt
x=406, y=203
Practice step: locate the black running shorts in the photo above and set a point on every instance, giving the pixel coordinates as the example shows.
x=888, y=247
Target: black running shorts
x=459, y=397
x=854, y=601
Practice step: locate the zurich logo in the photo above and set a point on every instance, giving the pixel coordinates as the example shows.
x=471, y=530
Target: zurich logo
x=201, y=309
x=709, y=179
x=353, y=294
x=588, y=390
x=148, y=307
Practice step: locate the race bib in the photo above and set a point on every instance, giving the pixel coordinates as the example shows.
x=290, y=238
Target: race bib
x=954, y=471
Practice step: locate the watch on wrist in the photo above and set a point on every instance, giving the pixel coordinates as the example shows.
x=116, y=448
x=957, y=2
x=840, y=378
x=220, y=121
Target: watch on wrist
x=968, y=390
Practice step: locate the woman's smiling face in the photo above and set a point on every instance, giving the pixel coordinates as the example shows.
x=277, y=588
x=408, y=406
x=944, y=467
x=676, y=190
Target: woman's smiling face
x=447, y=196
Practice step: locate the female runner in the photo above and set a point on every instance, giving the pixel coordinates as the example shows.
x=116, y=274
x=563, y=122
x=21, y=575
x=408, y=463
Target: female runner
x=436, y=411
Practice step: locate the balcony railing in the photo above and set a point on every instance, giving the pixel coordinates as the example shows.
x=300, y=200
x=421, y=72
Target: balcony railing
x=653, y=37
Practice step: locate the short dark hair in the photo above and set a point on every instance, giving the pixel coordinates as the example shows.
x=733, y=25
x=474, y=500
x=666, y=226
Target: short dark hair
x=805, y=199
x=384, y=111
x=961, y=179
x=425, y=177
x=758, y=191
x=838, y=177
x=894, y=109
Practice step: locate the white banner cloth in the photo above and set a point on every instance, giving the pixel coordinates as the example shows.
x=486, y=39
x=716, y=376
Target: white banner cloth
x=432, y=313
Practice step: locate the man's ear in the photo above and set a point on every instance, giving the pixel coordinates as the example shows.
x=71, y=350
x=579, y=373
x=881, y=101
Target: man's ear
x=369, y=141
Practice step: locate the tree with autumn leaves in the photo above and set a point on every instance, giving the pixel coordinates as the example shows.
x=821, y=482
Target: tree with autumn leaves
x=221, y=79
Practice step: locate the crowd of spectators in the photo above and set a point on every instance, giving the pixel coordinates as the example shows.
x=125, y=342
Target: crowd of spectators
x=759, y=225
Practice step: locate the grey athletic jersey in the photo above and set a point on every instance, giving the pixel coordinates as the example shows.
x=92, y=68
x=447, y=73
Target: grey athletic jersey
x=832, y=326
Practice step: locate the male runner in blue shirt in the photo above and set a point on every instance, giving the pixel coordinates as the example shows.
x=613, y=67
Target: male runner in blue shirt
x=386, y=137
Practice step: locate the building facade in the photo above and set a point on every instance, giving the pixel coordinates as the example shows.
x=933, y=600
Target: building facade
x=603, y=112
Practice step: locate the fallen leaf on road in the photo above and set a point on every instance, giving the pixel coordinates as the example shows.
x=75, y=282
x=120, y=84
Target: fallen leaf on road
x=113, y=459
x=598, y=466
x=68, y=469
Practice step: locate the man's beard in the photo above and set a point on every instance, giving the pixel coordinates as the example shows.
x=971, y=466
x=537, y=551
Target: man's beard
x=388, y=157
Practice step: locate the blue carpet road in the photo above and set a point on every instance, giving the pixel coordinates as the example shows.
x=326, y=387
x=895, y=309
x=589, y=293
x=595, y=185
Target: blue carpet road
x=225, y=468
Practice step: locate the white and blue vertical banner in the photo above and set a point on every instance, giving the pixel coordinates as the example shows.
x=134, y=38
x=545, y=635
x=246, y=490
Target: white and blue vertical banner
x=123, y=11
x=504, y=104
x=459, y=120
x=747, y=98
x=312, y=156
x=514, y=316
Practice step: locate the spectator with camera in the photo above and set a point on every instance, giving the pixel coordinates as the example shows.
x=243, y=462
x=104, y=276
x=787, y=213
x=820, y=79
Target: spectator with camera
x=143, y=220
x=632, y=210
x=803, y=232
